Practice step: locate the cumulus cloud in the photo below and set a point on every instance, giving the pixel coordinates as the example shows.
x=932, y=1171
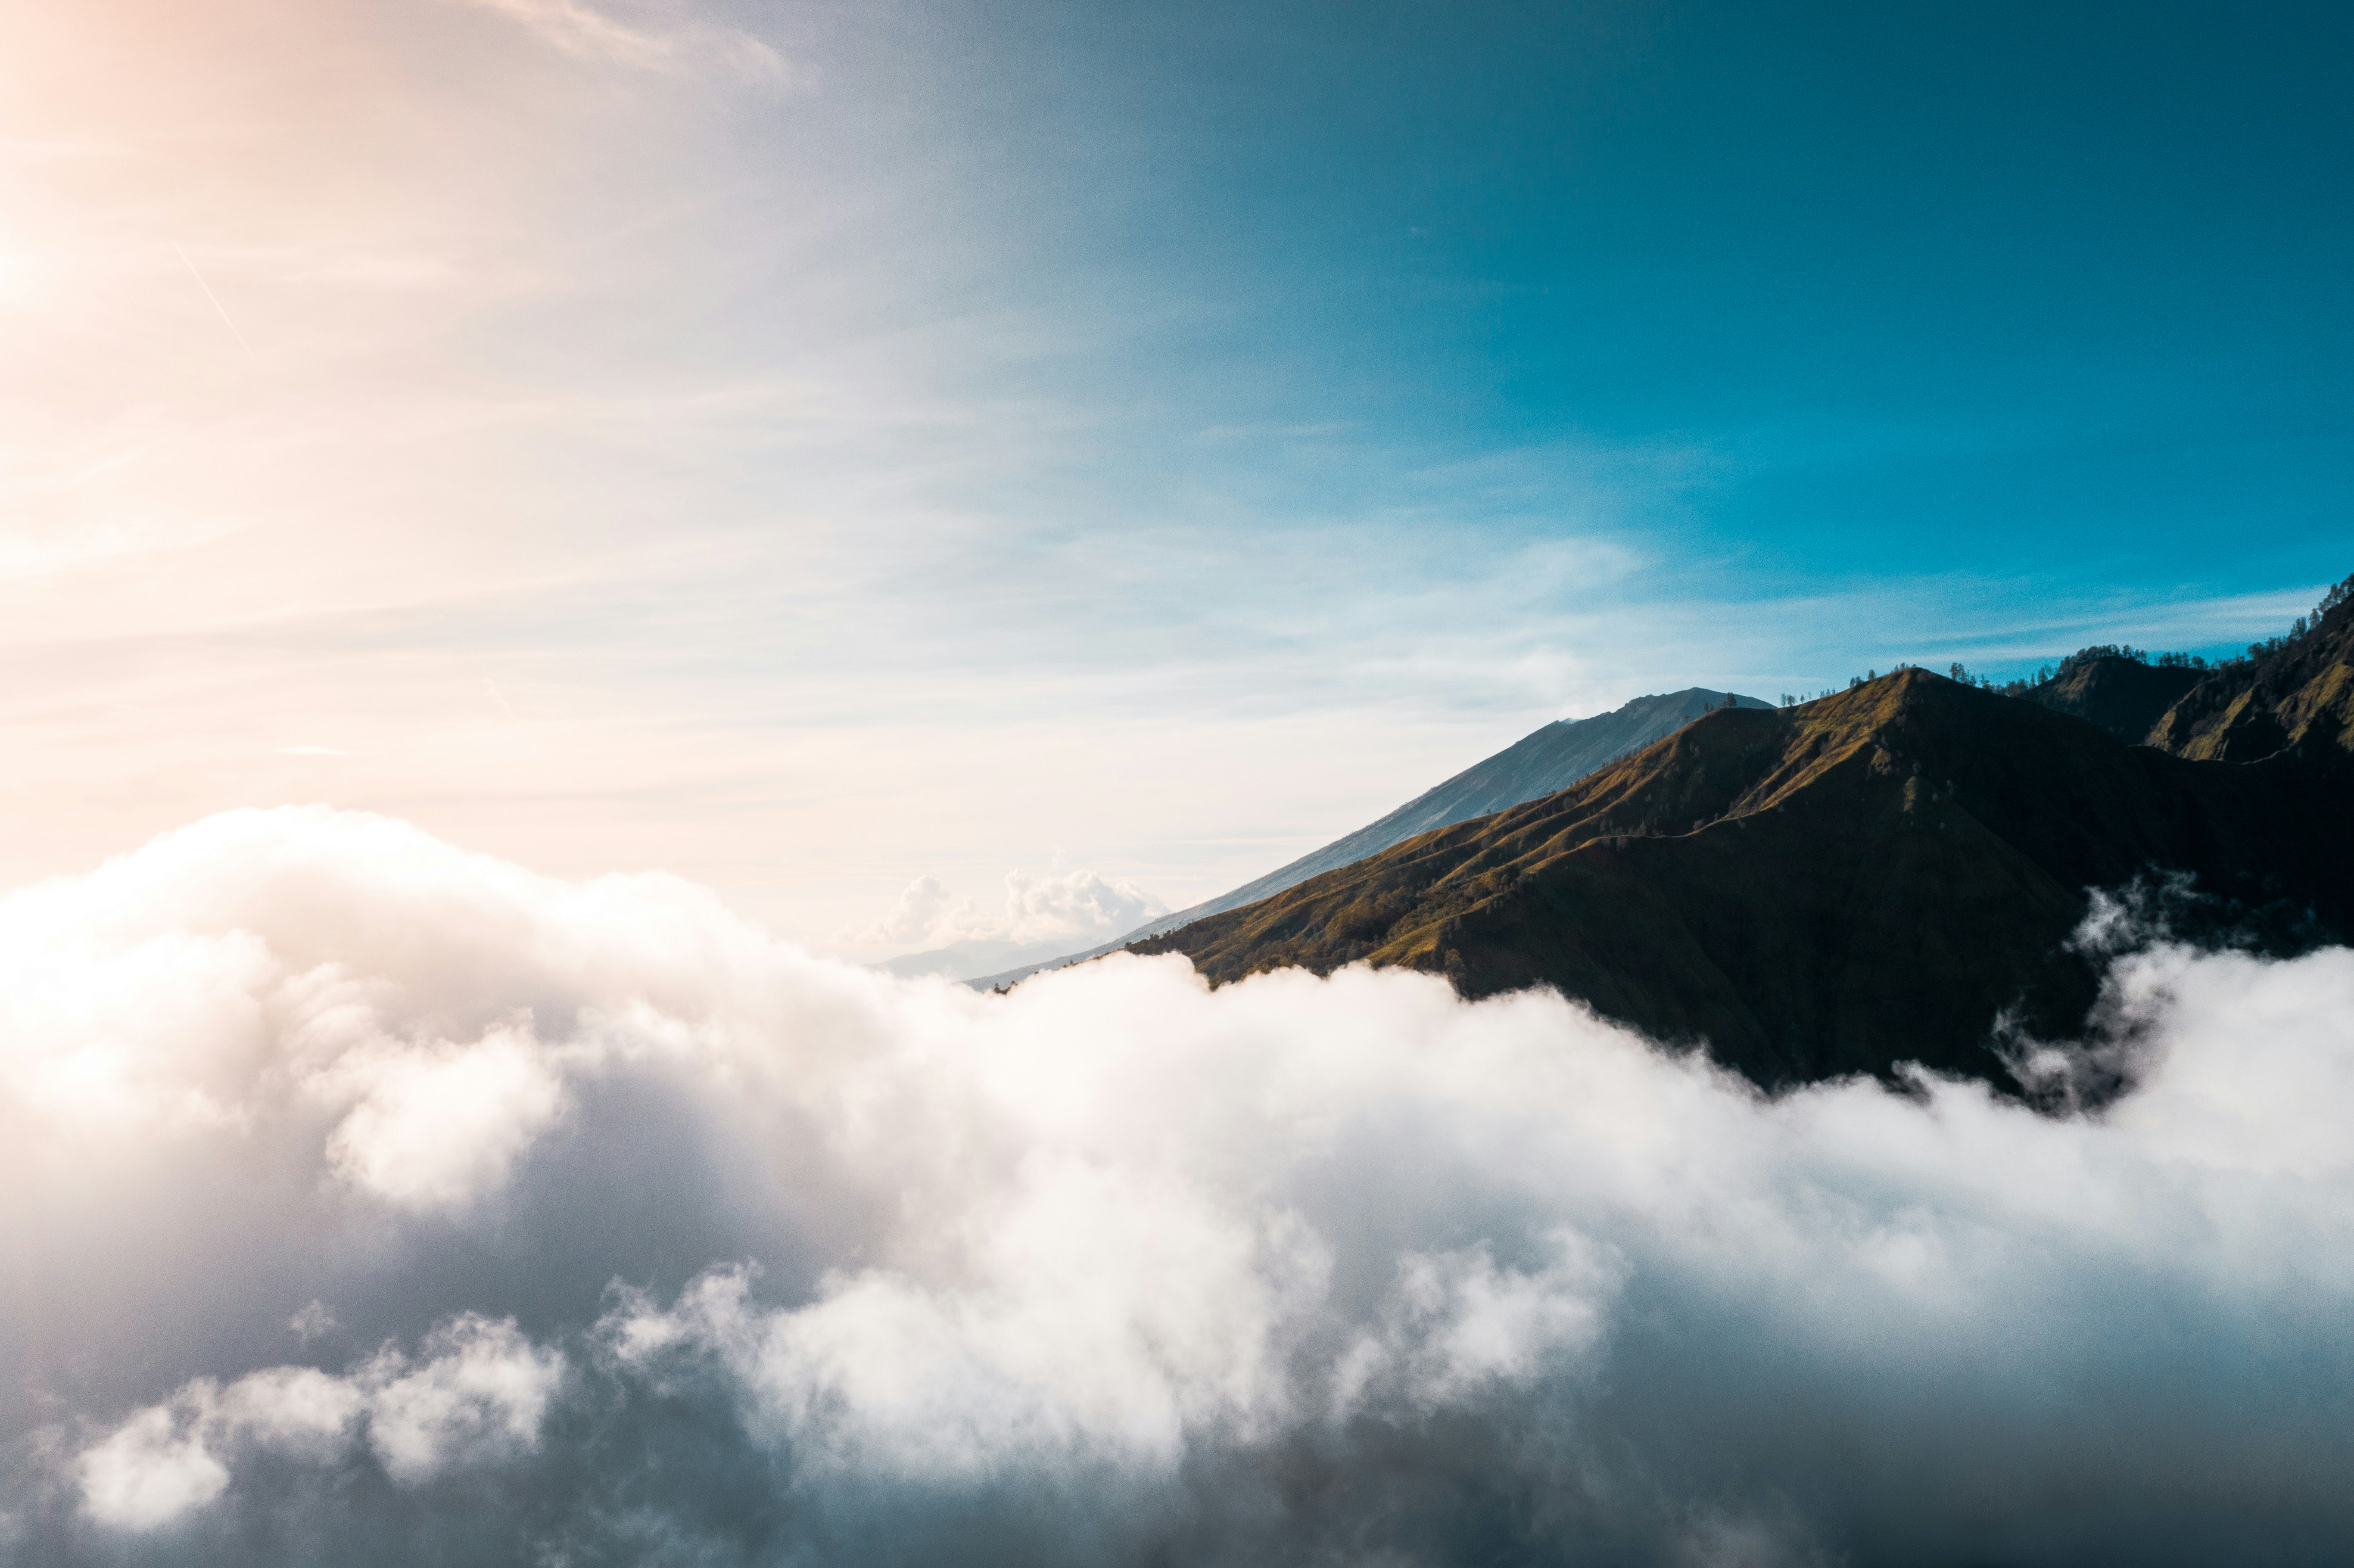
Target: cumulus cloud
x=429, y=1127
x=150, y=1471
x=1079, y=909
x=478, y=1396
x=313, y=1321
x=677, y=1244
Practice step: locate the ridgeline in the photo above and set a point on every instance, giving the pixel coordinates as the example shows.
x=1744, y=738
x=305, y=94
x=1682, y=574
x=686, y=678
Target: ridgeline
x=1873, y=876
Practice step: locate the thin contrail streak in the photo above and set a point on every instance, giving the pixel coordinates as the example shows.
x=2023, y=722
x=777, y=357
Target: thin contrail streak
x=207, y=287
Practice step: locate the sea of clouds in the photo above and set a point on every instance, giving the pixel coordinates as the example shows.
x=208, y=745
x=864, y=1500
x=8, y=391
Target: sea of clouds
x=369, y=1201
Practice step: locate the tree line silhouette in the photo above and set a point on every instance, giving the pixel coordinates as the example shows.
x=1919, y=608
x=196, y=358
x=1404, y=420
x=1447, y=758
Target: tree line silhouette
x=2337, y=598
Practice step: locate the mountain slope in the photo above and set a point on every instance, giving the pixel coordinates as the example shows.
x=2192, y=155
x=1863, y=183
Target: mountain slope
x=1537, y=765
x=1832, y=888
x=2296, y=691
x=1552, y=759
x=962, y=959
x=2121, y=695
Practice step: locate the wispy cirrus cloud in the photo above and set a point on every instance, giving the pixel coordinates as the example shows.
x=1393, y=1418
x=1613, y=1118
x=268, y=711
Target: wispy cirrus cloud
x=669, y=42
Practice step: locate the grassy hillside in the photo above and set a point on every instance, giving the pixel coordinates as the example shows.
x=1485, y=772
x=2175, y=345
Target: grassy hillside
x=1828, y=888
x=2297, y=691
x=2123, y=696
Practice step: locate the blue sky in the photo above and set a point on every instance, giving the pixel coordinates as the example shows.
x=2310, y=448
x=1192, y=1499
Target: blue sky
x=810, y=448
x=2035, y=298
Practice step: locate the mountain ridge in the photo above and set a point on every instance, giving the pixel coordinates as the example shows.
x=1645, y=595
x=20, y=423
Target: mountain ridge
x=1534, y=766
x=2292, y=693
x=1876, y=875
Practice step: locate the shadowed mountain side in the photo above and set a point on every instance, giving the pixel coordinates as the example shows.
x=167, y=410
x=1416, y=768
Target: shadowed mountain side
x=1537, y=765
x=2123, y=696
x=1832, y=888
x=2296, y=691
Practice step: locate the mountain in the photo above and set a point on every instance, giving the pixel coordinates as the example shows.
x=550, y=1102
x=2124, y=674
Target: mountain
x=2122, y=695
x=2295, y=693
x=968, y=958
x=1830, y=888
x=1552, y=758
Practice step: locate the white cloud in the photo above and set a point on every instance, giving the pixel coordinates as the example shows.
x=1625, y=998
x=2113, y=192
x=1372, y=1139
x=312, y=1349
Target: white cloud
x=315, y=1321
x=1114, y=1267
x=1456, y=1325
x=923, y=912
x=1077, y=908
x=297, y=1410
x=434, y=1125
x=149, y=1472
x=477, y=1397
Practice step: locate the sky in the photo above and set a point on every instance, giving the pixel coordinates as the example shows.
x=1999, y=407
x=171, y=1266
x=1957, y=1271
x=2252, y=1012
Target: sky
x=810, y=450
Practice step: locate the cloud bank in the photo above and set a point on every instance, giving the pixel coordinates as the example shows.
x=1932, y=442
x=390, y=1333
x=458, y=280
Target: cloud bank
x=374, y=1201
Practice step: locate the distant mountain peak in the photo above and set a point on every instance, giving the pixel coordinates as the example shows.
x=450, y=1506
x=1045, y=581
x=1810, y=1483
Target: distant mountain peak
x=1537, y=765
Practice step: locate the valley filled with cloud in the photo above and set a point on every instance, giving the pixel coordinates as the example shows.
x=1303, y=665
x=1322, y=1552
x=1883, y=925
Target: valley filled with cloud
x=376, y=1200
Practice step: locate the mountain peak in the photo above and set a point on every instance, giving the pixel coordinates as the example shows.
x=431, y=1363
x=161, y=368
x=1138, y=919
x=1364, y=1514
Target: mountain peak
x=1537, y=765
x=1814, y=890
